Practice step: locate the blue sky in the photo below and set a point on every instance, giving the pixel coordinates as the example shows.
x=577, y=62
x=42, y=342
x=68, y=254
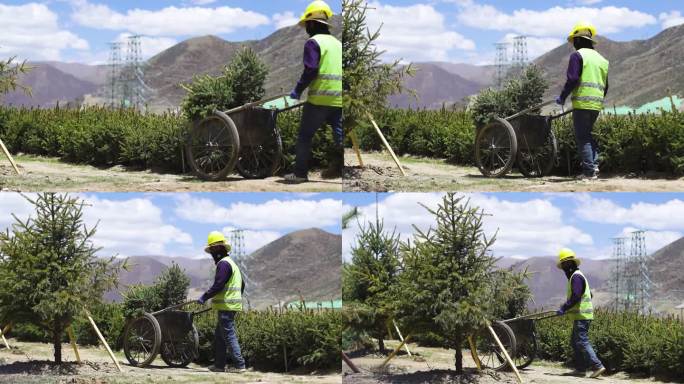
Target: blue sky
x=168, y=224
x=79, y=30
x=536, y=224
x=465, y=30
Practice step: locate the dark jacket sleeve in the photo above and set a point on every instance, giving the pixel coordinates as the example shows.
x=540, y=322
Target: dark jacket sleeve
x=577, y=288
x=223, y=273
x=312, y=59
x=573, y=75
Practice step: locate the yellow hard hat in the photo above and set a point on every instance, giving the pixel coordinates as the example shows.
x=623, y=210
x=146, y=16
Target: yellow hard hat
x=567, y=254
x=583, y=29
x=319, y=11
x=216, y=238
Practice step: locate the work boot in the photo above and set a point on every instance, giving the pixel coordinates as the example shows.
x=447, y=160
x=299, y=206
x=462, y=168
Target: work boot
x=598, y=372
x=576, y=373
x=583, y=177
x=291, y=178
x=216, y=369
x=236, y=370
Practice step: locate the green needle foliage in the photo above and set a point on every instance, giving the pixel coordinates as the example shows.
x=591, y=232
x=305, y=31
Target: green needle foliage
x=169, y=289
x=447, y=275
x=9, y=76
x=367, y=81
x=370, y=279
x=49, y=271
x=242, y=82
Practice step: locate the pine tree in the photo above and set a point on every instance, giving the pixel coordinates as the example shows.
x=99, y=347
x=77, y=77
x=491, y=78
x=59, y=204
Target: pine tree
x=9, y=76
x=369, y=280
x=49, y=271
x=445, y=285
x=367, y=81
x=246, y=73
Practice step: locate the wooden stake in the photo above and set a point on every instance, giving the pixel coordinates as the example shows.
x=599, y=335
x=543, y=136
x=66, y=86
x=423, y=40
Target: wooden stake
x=394, y=353
x=473, y=353
x=351, y=364
x=2, y=334
x=387, y=146
x=401, y=337
x=508, y=358
x=102, y=339
x=9, y=157
x=72, y=339
x=355, y=144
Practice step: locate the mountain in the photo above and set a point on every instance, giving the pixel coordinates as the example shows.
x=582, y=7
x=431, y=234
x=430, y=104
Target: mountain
x=640, y=70
x=281, y=52
x=304, y=264
x=434, y=86
x=548, y=283
x=49, y=85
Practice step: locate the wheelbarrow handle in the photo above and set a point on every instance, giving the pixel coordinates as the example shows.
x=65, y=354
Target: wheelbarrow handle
x=248, y=105
x=171, y=308
x=532, y=108
x=534, y=316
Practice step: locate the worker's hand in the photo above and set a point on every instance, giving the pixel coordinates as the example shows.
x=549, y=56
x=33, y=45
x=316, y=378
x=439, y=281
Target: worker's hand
x=559, y=101
x=295, y=95
x=560, y=312
x=201, y=300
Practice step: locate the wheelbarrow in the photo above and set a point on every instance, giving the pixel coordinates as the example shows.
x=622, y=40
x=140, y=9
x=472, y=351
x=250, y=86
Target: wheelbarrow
x=245, y=137
x=169, y=331
x=524, y=139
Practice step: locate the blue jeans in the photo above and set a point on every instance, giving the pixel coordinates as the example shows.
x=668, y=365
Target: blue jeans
x=226, y=337
x=313, y=117
x=584, y=354
x=583, y=121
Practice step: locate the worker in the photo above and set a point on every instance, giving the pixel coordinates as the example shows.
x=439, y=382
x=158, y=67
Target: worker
x=587, y=81
x=323, y=77
x=226, y=299
x=581, y=311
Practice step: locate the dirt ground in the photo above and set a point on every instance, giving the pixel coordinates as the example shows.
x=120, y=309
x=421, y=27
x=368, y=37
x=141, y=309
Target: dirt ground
x=49, y=174
x=28, y=363
x=381, y=174
x=435, y=365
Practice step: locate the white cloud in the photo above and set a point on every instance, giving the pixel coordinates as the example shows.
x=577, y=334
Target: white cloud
x=414, y=33
x=169, y=21
x=285, y=19
x=150, y=46
x=31, y=31
x=271, y=215
x=14, y=203
x=589, y=2
x=555, y=21
x=254, y=239
x=529, y=228
x=670, y=19
x=667, y=215
x=202, y=2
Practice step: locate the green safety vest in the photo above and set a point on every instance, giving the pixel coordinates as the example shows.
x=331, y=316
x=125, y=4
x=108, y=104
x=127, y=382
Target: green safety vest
x=326, y=89
x=230, y=297
x=589, y=93
x=584, y=310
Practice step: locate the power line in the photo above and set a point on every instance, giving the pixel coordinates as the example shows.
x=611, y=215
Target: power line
x=520, y=59
x=237, y=243
x=501, y=63
x=114, y=63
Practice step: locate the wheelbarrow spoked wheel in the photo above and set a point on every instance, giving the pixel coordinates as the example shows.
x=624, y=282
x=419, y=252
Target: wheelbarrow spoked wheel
x=495, y=148
x=142, y=339
x=180, y=353
x=262, y=160
x=212, y=147
x=526, y=351
x=538, y=161
x=488, y=350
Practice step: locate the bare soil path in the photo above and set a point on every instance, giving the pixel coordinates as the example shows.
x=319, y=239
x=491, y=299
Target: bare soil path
x=435, y=365
x=27, y=363
x=381, y=174
x=49, y=174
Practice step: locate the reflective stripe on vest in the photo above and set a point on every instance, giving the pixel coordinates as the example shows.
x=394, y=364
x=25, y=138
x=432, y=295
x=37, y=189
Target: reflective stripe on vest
x=584, y=309
x=230, y=297
x=326, y=89
x=590, y=91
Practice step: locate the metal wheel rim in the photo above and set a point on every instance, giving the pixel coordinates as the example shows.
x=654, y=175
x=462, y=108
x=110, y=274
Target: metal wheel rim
x=211, y=146
x=488, y=351
x=495, y=149
x=537, y=162
x=140, y=341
